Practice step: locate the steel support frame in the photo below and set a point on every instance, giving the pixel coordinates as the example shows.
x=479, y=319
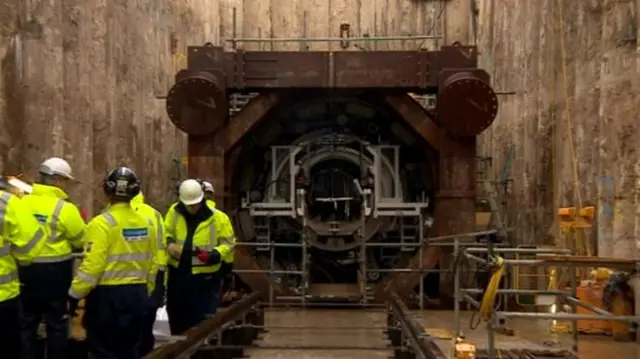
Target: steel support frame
x=198, y=105
x=463, y=294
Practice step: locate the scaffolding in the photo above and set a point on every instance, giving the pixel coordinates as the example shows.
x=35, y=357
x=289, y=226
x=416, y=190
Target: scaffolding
x=549, y=257
x=289, y=201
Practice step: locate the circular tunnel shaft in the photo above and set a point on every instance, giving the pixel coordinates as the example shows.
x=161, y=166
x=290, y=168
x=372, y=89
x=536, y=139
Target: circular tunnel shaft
x=345, y=150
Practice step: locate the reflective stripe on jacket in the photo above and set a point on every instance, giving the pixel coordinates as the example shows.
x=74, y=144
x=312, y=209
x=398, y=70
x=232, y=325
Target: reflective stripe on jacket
x=228, y=258
x=21, y=238
x=62, y=223
x=156, y=218
x=120, y=249
x=214, y=233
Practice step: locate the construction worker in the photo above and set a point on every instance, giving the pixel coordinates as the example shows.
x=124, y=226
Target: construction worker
x=157, y=298
x=47, y=280
x=226, y=267
x=17, y=186
x=207, y=187
x=198, y=238
x=21, y=240
x=118, y=272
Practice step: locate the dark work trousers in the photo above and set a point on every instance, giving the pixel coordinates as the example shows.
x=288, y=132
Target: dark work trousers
x=190, y=298
x=148, y=340
x=10, y=318
x=155, y=301
x=114, y=318
x=44, y=297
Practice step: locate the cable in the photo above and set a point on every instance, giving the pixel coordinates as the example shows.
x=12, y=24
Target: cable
x=490, y=294
x=574, y=160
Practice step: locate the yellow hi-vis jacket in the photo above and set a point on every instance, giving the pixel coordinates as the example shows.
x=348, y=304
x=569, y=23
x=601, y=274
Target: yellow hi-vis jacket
x=211, y=203
x=156, y=218
x=214, y=233
x=120, y=249
x=62, y=223
x=21, y=238
x=229, y=257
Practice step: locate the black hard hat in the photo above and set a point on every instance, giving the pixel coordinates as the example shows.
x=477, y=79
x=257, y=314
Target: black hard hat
x=121, y=183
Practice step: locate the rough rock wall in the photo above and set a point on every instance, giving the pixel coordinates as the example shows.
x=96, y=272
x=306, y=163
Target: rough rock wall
x=573, y=121
x=80, y=80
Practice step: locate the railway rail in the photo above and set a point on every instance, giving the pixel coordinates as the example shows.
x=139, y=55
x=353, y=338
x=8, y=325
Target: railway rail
x=234, y=332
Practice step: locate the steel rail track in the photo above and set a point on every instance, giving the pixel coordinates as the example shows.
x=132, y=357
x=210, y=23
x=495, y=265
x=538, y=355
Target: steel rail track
x=233, y=330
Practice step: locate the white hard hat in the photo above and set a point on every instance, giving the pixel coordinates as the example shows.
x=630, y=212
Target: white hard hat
x=207, y=187
x=56, y=166
x=190, y=192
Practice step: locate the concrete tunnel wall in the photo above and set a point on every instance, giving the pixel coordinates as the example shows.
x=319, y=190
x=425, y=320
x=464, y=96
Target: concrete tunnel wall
x=521, y=45
x=80, y=78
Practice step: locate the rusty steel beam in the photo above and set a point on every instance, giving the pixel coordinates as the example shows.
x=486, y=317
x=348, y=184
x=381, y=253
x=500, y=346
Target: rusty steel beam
x=417, y=117
x=410, y=71
x=465, y=106
x=455, y=209
x=246, y=119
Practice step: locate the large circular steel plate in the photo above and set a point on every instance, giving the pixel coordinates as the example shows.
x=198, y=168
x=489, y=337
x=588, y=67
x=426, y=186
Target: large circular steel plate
x=197, y=104
x=466, y=105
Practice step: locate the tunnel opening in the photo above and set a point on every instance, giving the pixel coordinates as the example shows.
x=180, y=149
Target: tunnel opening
x=335, y=171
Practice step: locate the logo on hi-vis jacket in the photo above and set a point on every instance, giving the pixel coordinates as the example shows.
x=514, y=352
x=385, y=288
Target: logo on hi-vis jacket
x=135, y=234
x=42, y=219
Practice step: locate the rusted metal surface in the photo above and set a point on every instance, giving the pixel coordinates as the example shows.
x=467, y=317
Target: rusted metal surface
x=411, y=71
x=197, y=104
x=456, y=198
x=417, y=117
x=206, y=160
x=466, y=104
x=454, y=211
x=246, y=119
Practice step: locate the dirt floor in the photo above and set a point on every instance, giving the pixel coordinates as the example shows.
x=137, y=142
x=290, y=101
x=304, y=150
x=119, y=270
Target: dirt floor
x=360, y=328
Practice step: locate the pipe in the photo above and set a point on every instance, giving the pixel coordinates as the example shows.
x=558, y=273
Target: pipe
x=588, y=306
x=569, y=316
x=335, y=39
x=301, y=347
x=521, y=250
x=519, y=291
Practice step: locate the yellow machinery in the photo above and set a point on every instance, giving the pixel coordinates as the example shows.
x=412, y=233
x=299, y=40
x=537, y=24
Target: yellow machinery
x=464, y=350
x=574, y=226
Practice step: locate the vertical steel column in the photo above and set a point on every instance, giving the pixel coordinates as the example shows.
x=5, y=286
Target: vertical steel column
x=491, y=323
x=272, y=264
x=305, y=262
x=420, y=256
x=456, y=199
x=457, y=297
x=363, y=255
x=574, y=307
x=206, y=160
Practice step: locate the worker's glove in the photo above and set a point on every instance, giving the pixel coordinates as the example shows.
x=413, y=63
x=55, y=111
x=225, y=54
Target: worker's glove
x=208, y=258
x=72, y=306
x=157, y=296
